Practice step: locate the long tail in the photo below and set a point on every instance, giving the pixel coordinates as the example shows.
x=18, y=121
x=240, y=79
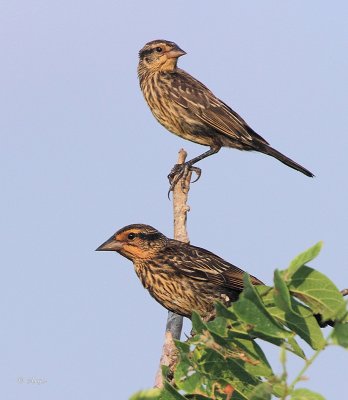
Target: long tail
x=285, y=160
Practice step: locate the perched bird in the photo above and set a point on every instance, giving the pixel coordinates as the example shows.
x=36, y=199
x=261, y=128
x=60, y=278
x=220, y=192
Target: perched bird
x=181, y=277
x=187, y=108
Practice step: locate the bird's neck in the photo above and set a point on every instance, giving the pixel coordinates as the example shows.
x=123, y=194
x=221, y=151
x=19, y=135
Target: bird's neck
x=169, y=65
x=144, y=72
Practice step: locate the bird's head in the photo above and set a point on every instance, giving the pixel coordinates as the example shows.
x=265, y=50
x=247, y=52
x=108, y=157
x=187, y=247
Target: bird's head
x=159, y=55
x=135, y=242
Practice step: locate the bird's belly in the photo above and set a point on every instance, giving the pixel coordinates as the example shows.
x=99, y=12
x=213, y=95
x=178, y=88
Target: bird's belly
x=177, y=293
x=182, y=301
x=185, y=127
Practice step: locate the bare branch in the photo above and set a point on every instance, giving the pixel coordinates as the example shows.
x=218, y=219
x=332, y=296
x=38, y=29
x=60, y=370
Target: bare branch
x=174, y=321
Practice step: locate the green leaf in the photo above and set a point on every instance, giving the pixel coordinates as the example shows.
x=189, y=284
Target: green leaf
x=231, y=318
x=281, y=294
x=218, y=326
x=290, y=343
x=294, y=315
x=318, y=292
x=169, y=393
x=248, y=354
x=212, y=364
x=237, y=396
x=295, y=348
x=250, y=309
x=303, y=259
x=188, y=379
x=223, y=311
x=198, y=326
x=305, y=394
x=340, y=335
x=241, y=348
x=183, y=347
x=263, y=391
x=151, y=394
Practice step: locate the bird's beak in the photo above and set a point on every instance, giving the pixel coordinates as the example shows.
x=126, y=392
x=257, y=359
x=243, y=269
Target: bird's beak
x=111, y=245
x=175, y=53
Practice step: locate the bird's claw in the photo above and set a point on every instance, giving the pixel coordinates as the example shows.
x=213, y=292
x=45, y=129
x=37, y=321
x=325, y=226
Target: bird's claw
x=198, y=172
x=180, y=172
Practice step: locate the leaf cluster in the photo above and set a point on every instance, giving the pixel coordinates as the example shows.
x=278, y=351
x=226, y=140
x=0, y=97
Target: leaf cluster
x=224, y=360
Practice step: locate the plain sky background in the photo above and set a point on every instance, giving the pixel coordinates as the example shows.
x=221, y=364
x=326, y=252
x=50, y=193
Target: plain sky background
x=82, y=156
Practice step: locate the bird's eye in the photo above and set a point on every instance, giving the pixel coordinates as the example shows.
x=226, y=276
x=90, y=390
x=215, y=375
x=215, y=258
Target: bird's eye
x=131, y=236
x=159, y=49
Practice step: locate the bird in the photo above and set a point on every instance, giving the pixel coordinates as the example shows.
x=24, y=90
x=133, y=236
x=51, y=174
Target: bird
x=179, y=276
x=187, y=108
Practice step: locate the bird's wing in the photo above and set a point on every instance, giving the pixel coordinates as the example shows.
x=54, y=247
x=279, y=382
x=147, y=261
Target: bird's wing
x=200, y=264
x=191, y=94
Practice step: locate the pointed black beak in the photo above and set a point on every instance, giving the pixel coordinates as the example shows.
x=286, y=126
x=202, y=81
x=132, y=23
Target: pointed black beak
x=110, y=245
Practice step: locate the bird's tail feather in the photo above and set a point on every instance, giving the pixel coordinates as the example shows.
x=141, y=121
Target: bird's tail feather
x=285, y=160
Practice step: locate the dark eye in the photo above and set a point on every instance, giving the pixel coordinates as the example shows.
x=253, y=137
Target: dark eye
x=158, y=49
x=131, y=236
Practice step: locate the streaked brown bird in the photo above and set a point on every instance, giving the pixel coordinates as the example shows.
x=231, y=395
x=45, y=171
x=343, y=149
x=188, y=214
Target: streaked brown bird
x=181, y=277
x=187, y=108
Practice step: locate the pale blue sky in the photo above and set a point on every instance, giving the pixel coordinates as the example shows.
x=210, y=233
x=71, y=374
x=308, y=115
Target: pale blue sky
x=82, y=156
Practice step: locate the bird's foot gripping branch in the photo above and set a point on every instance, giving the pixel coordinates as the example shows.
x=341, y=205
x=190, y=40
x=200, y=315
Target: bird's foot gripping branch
x=180, y=172
x=224, y=359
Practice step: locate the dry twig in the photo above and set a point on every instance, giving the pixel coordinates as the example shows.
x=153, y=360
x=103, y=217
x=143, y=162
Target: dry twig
x=174, y=321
